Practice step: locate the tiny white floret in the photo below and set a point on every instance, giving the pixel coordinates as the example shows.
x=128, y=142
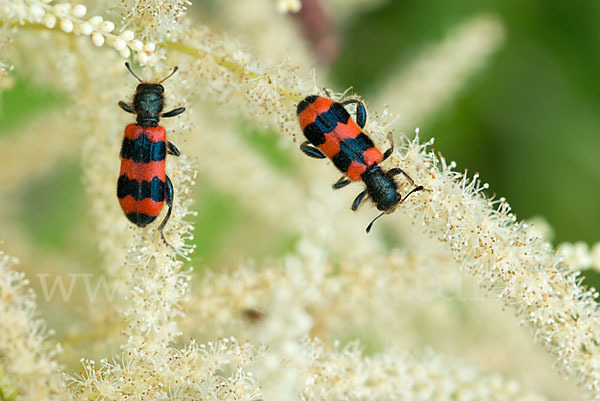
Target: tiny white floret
x=119, y=44
x=136, y=45
x=127, y=35
x=66, y=25
x=37, y=12
x=97, y=39
x=49, y=20
x=125, y=53
x=79, y=10
x=86, y=29
x=149, y=47
x=107, y=26
x=96, y=20
x=62, y=9
x=142, y=58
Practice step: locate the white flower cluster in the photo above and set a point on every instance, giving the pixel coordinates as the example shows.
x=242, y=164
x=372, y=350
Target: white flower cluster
x=26, y=356
x=347, y=374
x=509, y=262
x=332, y=295
x=215, y=371
x=579, y=255
x=70, y=18
x=6, y=80
x=155, y=18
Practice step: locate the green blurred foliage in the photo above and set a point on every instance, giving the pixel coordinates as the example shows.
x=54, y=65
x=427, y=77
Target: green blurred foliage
x=591, y=278
x=24, y=101
x=52, y=205
x=227, y=232
x=218, y=214
x=265, y=143
x=528, y=122
x=370, y=343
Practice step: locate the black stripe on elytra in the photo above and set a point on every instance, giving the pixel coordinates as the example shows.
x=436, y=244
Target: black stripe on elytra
x=305, y=103
x=154, y=189
x=325, y=123
x=143, y=150
x=359, y=144
x=352, y=150
x=140, y=219
x=341, y=161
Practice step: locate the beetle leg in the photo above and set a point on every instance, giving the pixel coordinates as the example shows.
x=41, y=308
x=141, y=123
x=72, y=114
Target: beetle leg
x=358, y=200
x=169, y=199
x=174, y=112
x=126, y=107
x=311, y=151
x=172, y=149
x=341, y=183
x=361, y=111
x=389, y=152
x=396, y=171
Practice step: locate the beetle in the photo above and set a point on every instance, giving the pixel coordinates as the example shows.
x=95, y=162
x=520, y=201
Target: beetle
x=143, y=187
x=331, y=132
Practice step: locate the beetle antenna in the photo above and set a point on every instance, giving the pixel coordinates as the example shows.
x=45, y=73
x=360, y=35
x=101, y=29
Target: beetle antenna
x=169, y=76
x=132, y=73
x=373, y=221
x=415, y=189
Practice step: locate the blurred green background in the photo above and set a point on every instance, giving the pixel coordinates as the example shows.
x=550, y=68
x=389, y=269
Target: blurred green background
x=528, y=121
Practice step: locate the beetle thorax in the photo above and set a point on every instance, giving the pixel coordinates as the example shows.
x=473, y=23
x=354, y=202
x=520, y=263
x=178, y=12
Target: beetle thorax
x=381, y=188
x=148, y=103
